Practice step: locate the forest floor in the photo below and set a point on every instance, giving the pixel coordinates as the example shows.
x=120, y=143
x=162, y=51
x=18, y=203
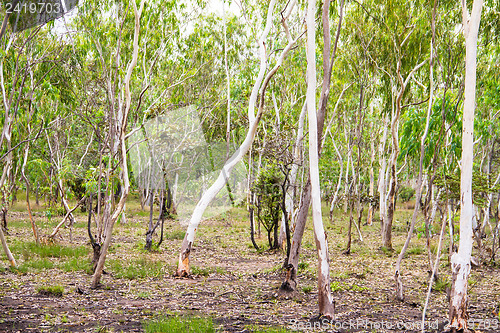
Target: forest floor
x=232, y=283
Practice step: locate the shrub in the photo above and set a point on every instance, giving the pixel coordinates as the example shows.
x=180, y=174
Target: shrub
x=406, y=193
x=267, y=207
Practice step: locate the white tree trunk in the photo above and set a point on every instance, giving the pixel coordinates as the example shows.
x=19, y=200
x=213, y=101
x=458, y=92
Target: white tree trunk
x=324, y=294
x=460, y=261
x=9, y=255
x=382, y=179
x=418, y=196
x=339, y=183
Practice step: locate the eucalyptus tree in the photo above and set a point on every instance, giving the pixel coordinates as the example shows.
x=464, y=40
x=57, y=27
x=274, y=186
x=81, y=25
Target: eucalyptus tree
x=487, y=122
x=461, y=261
x=398, y=49
x=259, y=88
x=438, y=150
x=399, y=286
x=290, y=282
x=22, y=73
x=114, y=105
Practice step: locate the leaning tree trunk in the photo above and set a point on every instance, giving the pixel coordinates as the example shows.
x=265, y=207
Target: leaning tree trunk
x=259, y=88
x=120, y=131
x=460, y=261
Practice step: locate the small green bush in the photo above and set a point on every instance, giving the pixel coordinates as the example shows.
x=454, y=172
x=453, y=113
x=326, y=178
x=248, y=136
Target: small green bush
x=336, y=286
x=406, y=193
x=303, y=265
x=56, y=290
x=307, y=289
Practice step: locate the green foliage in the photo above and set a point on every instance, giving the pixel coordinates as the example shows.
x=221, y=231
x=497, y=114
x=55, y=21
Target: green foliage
x=271, y=330
x=406, y=193
x=420, y=230
x=481, y=186
x=414, y=125
x=55, y=290
x=76, y=264
x=31, y=249
x=179, y=324
x=36, y=264
x=355, y=287
x=415, y=250
x=336, y=286
x=441, y=285
x=202, y=271
x=386, y=251
x=38, y=257
x=268, y=191
x=303, y=265
x=175, y=234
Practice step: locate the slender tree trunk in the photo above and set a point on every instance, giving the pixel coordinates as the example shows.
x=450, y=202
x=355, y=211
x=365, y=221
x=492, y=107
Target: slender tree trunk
x=324, y=294
x=9, y=255
x=461, y=260
x=290, y=282
x=434, y=270
x=252, y=222
x=26, y=181
x=120, y=131
x=339, y=183
x=371, y=190
x=382, y=179
x=418, y=195
x=149, y=233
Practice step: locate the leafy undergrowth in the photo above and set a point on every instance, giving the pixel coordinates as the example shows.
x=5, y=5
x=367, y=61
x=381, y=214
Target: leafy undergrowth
x=233, y=287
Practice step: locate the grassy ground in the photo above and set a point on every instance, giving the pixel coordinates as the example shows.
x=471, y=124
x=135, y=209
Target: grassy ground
x=234, y=287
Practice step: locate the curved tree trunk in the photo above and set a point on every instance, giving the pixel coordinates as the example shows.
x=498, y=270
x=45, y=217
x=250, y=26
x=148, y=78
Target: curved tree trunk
x=259, y=88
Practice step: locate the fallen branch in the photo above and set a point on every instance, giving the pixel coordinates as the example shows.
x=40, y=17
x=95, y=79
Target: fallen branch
x=56, y=229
